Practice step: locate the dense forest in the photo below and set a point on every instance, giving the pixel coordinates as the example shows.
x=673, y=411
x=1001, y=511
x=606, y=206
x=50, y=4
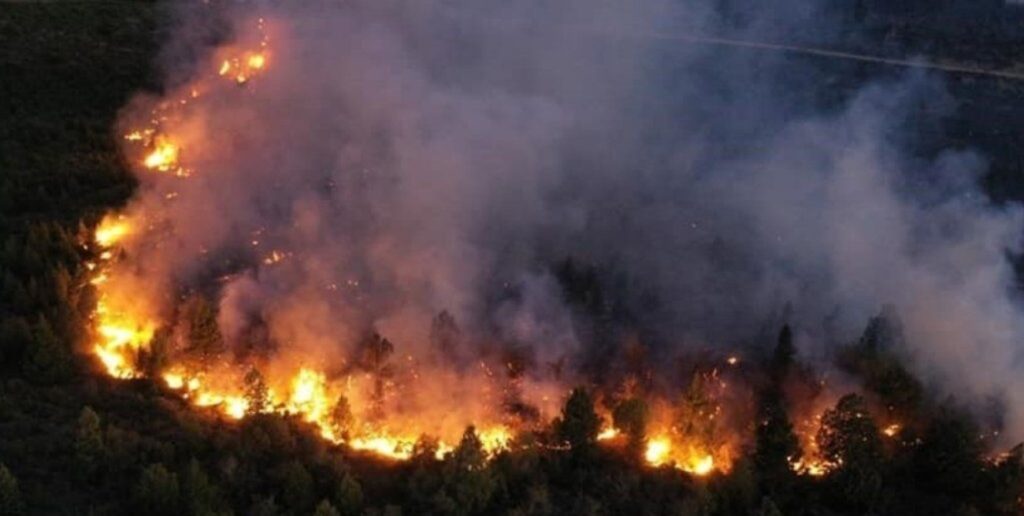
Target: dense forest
x=75, y=441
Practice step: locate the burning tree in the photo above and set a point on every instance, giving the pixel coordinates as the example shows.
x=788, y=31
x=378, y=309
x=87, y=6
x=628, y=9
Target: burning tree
x=376, y=351
x=849, y=440
x=579, y=424
x=257, y=396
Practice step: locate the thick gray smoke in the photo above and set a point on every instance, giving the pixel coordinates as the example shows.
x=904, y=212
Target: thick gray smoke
x=414, y=157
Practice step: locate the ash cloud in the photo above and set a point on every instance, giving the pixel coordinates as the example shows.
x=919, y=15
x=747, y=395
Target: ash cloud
x=413, y=157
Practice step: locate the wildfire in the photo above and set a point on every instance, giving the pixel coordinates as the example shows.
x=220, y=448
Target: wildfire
x=124, y=326
x=892, y=430
x=608, y=434
x=657, y=451
x=811, y=461
x=111, y=231
x=660, y=451
x=164, y=156
x=118, y=335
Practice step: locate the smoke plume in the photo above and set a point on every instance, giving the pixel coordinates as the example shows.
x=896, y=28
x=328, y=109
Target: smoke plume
x=397, y=160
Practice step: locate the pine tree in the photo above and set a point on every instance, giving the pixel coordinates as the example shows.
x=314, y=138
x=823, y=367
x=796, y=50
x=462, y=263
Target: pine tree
x=324, y=508
x=47, y=360
x=257, y=396
x=783, y=354
x=444, y=334
x=630, y=417
x=776, y=444
x=11, y=503
x=849, y=438
x=89, y=447
x=204, y=337
x=297, y=487
x=579, y=424
x=157, y=492
x=198, y=495
x=468, y=480
x=342, y=419
x=469, y=455
x=375, y=354
x=348, y=497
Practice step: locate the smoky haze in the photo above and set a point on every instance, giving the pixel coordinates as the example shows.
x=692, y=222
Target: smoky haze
x=408, y=158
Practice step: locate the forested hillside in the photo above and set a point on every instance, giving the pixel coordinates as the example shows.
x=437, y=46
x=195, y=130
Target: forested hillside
x=76, y=441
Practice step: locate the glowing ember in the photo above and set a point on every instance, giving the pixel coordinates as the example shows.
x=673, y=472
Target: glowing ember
x=892, y=430
x=256, y=61
x=814, y=468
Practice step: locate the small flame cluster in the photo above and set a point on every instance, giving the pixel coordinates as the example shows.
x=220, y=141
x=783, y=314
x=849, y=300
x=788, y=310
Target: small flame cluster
x=162, y=151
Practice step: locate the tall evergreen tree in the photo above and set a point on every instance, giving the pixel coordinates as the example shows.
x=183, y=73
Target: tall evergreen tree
x=630, y=417
x=11, y=503
x=89, y=447
x=850, y=439
x=776, y=445
x=579, y=425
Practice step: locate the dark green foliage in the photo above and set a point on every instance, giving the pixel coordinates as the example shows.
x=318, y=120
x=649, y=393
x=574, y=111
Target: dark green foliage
x=949, y=459
x=768, y=508
x=849, y=438
x=264, y=506
x=89, y=448
x=348, y=497
x=65, y=70
x=630, y=417
x=324, y=508
x=776, y=446
x=157, y=492
x=10, y=494
x=468, y=482
x=874, y=358
x=296, y=487
x=784, y=353
x=579, y=423
x=47, y=360
x=199, y=496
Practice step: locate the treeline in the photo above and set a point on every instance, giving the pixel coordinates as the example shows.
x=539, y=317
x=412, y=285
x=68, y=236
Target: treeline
x=134, y=448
